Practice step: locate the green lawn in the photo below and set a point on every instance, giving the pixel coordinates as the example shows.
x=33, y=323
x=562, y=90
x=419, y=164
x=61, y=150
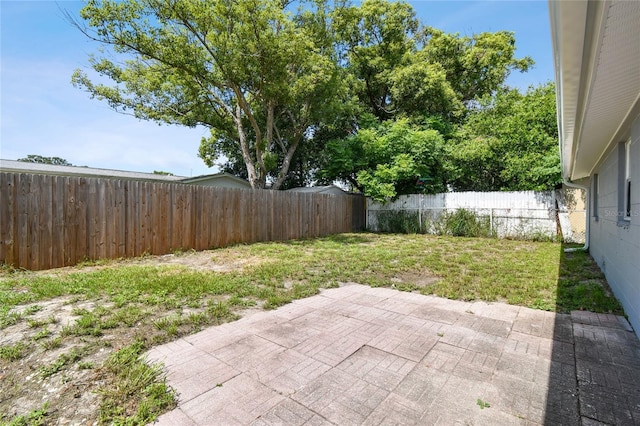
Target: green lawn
x=139, y=305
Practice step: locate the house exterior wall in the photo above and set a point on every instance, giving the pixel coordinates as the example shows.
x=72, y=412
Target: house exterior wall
x=615, y=245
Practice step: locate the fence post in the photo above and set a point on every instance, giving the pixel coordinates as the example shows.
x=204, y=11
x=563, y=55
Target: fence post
x=491, y=221
x=420, y=213
x=366, y=213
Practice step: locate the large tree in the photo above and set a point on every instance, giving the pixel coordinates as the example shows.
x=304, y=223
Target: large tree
x=509, y=142
x=401, y=68
x=255, y=73
x=475, y=67
x=389, y=159
x=419, y=84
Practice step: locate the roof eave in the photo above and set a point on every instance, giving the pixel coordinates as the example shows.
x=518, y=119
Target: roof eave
x=572, y=35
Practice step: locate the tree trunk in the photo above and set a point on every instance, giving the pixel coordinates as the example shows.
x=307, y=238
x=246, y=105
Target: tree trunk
x=246, y=154
x=286, y=163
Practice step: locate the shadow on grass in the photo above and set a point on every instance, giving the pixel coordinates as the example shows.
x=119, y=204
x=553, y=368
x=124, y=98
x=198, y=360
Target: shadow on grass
x=595, y=356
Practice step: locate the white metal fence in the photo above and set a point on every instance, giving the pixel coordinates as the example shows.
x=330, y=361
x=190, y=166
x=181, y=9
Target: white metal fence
x=525, y=214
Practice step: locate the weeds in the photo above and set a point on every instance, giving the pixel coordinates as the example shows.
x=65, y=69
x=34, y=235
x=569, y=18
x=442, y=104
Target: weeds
x=35, y=418
x=51, y=344
x=482, y=404
x=460, y=223
x=399, y=222
x=32, y=310
x=36, y=323
x=63, y=360
x=8, y=319
x=12, y=352
x=139, y=392
x=42, y=334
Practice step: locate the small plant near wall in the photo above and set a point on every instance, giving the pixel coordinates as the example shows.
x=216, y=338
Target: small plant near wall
x=399, y=222
x=465, y=223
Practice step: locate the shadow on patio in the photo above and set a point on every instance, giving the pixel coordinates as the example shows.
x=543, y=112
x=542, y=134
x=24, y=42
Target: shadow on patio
x=594, y=375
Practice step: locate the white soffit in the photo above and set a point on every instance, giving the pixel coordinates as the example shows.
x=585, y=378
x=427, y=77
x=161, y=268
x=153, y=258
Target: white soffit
x=613, y=90
x=568, y=22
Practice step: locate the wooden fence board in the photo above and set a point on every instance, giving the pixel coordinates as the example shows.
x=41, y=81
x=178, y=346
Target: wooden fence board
x=53, y=221
x=121, y=219
x=7, y=218
x=32, y=216
x=45, y=222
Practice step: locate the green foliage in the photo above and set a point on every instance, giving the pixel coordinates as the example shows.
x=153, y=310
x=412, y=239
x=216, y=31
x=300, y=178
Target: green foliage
x=509, y=142
x=141, y=385
x=398, y=222
x=400, y=67
x=34, y=418
x=465, y=223
x=259, y=76
x=281, y=88
x=459, y=223
x=62, y=361
x=386, y=160
x=12, y=352
x=475, y=66
x=56, y=161
x=482, y=404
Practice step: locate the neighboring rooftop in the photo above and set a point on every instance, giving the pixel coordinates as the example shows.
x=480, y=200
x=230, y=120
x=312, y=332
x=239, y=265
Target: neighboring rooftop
x=37, y=168
x=219, y=179
x=328, y=189
x=222, y=179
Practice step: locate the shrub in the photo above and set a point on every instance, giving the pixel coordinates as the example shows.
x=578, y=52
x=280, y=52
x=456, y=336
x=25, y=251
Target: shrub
x=465, y=223
x=398, y=222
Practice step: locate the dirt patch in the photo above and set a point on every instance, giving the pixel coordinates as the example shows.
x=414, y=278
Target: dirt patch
x=419, y=278
x=46, y=367
x=208, y=260
x=27, y=384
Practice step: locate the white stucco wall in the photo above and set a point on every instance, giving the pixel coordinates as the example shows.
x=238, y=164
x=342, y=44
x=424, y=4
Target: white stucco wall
x=616, y=248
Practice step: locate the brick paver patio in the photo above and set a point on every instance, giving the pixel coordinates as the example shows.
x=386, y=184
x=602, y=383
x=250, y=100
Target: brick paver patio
x=357, y=355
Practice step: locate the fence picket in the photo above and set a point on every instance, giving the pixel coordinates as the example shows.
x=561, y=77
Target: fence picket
x=53, y=221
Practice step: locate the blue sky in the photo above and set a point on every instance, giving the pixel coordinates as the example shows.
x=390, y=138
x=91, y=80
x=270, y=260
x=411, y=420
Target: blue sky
x=42, y=113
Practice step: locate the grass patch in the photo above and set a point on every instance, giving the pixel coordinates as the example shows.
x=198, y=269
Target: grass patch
x=583, y=286
x=51, y=344
x=136, y=306
x=42, y=334
x=35, y=418
x=139, y=392
x=13, y=352
x=63, y=360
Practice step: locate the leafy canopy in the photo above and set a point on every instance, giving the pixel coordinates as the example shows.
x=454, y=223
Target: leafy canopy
x=56, y=161
x=388, y=159
x=509, y=143
x=414, y=85
x=326, y=91
x=253, y=72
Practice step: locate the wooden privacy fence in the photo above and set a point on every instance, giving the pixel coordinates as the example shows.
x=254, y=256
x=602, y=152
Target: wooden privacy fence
x=53, y=221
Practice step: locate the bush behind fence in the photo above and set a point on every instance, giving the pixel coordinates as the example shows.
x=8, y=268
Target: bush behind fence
x=541, y=216
x=53, y=221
